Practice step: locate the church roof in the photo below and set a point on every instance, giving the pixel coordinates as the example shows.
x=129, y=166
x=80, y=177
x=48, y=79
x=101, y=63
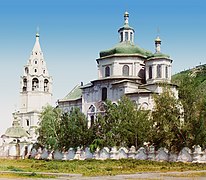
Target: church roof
x=126, y=47
x=140, y=91
x=125, y=27
x=158, y=55
x=74, y=94
x=16, y=131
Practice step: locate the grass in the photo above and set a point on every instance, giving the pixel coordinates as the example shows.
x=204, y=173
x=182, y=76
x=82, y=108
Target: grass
x=21, y=175
x=96, y=167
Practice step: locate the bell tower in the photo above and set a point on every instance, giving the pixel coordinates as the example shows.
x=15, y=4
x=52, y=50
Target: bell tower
x=35, y=88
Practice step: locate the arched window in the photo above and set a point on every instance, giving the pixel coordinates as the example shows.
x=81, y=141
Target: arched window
x=126, y=36
x=121, y=36
x=144, y=106
x=27, y=122
x=91, y=109
x=150, y=72
x=25, y=84
x=141, y=73
x=159, y=71
x=104, y=94
x=107, y=71
x=35, y=84
x=91, y=114
x=166, y=72
x=26, y=70
x=125, y=70
x=131, y=37
x=46, y=87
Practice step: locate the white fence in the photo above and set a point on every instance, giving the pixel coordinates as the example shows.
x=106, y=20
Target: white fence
x=148, y=153
x=144, y=153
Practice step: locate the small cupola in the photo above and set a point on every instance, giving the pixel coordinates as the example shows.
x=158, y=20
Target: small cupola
x=158, y=45
x=126, y=33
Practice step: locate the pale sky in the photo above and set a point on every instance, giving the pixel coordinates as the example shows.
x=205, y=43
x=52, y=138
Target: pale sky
x=72, y=33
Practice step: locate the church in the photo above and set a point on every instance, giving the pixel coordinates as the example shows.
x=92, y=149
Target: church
x=126, y=69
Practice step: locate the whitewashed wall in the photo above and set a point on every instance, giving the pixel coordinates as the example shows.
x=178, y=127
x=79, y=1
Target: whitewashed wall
x=195, y=155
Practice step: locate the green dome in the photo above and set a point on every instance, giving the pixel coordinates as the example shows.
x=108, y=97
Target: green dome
x=16, y=131
x=158, y=55
x=125, y=47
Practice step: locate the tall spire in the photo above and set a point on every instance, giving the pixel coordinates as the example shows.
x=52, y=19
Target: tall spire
x=37, y=47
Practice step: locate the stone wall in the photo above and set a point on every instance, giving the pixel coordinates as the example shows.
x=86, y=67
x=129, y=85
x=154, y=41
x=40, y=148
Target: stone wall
x=143, y=153
x=24, y=150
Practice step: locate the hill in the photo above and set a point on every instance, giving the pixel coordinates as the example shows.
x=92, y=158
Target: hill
x=198, y=73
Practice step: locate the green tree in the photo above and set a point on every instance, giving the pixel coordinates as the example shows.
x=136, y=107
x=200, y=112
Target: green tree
x=192, y=95
x=122, y=125
x=74, y=131
x=49, y=127
x=168, y=126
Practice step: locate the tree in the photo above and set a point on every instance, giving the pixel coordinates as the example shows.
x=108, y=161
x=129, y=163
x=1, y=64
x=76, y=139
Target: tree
x=74, y=131
x=49, y=127
x=192, y=95
x=168, y=128
x=122, y=125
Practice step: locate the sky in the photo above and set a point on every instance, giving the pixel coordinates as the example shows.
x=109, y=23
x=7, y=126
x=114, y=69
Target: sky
x=73, y=32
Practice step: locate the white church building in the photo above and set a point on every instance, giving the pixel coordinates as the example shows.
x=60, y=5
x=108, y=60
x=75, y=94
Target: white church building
x=125, y=69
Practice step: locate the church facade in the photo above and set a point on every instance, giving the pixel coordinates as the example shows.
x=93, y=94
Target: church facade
x=126, y=69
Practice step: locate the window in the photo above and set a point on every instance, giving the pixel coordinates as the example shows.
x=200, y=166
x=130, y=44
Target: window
x=104, y=94
x=125, y=70
x=131, y=37
x=159, y=71
x=35, y=84
x=107, y=71
x=35, y=62
x=141, y=73
x=150, y=72
x=121, y=36
x=126, y=36
x=46, y=87
x=92, y=120
x=166, y=72
x=25, y=84
x=35, y=70
x=91, y=109
x=26, y=70
x=91, y=114
x=27, y=122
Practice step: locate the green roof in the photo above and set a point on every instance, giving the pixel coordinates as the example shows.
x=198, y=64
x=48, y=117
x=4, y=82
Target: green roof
x=74, y=94
x=158, y=55
x=16, y=131
x=126, y=47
